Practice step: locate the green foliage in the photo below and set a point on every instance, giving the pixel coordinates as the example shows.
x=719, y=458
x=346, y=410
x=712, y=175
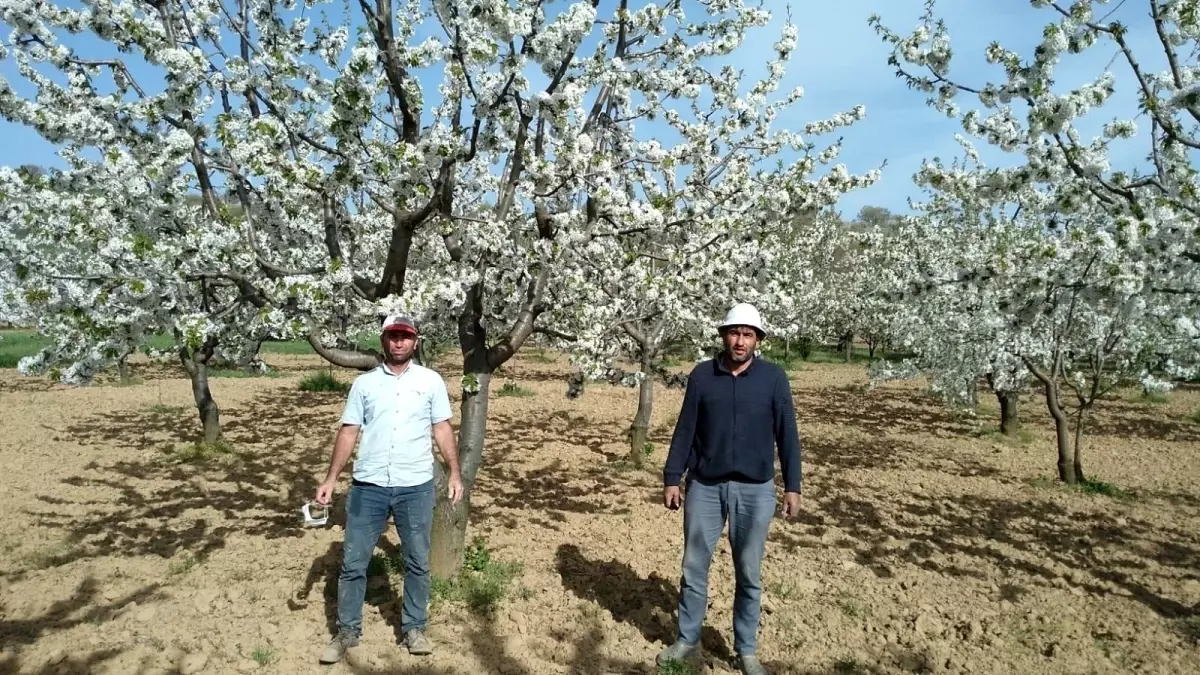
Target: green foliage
x=677, y=667
x=511, y=388
x=184, y=564
x=17, y=344
x=237, y=373
x=483, y=583
x=201, y=452
x=1022, y=438
x=324, y=382
x=1092, y=486
x=263, y=655
x=1155, y=397
x=1089, y=486
x=385, y=565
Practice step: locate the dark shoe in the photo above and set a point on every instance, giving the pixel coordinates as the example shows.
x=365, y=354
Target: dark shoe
x=749, y=665
x=678, y=652
x=337, y=647
x=417, y=643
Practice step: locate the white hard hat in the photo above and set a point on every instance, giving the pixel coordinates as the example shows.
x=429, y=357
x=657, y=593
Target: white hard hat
x=743, y=314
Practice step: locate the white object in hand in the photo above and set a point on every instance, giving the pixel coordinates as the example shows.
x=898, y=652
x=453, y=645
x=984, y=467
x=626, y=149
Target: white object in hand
x=309, y=520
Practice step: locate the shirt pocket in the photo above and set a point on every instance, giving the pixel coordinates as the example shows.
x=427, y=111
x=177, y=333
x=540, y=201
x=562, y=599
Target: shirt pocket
x=413, y=404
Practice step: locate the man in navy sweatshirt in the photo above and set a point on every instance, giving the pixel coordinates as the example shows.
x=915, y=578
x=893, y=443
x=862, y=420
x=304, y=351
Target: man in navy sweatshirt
x=737, y=410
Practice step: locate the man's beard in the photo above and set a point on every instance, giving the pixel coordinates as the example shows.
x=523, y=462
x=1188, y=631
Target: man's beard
x=394, y=360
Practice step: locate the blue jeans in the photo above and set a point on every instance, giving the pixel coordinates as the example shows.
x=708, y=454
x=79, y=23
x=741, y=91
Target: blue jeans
x=749, y=508
x=367, y=509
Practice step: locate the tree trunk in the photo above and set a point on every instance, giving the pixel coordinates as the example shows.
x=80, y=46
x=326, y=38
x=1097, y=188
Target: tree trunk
x=871, y=349
x=849, y=347
x=449, y=534
x=123, y=369
x=641, y=421
x=1078, y=459
x=1009, y=422
x=196, y=364
x=1066, y=469
x=787, y=349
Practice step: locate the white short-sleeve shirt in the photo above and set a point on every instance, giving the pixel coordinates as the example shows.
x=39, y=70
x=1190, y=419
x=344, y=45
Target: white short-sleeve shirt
x=397, y=414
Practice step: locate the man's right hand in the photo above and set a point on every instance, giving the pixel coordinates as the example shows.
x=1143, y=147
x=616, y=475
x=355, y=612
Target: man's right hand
x=671, y=497
x=324, y=493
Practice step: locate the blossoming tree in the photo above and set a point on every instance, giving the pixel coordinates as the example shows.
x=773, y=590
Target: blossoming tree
x=1106, y=278
x=697, y=231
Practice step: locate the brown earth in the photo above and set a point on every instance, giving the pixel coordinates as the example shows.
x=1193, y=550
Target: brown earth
x=925, y=545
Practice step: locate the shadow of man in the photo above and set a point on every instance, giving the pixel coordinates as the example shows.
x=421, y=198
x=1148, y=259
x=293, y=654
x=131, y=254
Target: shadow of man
x=646, y=604
x=380, y=593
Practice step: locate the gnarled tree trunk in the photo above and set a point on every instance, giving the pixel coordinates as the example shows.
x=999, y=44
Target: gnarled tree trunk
x=1081, y=418
x=641, y=420
x=1010, y=424
x=195, y=362
x=448, y=537
x=1066, y=464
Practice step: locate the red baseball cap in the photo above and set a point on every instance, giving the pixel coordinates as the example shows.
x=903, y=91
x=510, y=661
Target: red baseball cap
x=399, y=323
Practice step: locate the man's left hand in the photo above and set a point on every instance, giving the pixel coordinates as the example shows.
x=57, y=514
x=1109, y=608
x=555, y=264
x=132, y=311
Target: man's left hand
x=791, y=505
x=456, y=488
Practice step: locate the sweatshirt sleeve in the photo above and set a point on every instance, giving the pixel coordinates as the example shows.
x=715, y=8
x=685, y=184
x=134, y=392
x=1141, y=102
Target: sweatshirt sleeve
x=685, y=434
x=787, y=436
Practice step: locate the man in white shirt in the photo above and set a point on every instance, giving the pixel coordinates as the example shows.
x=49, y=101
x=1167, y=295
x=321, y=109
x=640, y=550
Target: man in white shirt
x=398, y=406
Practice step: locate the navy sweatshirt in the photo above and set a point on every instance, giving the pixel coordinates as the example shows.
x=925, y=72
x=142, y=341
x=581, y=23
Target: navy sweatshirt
x=729, y=426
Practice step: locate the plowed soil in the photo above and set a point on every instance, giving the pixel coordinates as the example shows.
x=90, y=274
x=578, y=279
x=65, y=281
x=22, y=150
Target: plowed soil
x=926, y=543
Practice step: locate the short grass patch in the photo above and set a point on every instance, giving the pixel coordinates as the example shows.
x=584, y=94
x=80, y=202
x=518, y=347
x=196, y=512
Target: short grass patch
x=1022, y=437
x=1092, y=486
x=263, y=655
x=201, y=452
x=17, y=344
x=677, y=667
x=1154, y=397
x=238, y=373
x=324, y=382
x=483, y=583
x=850, y=606
x=183, y=564
x=163, y=410
x=1089, y=486
x=511, y=388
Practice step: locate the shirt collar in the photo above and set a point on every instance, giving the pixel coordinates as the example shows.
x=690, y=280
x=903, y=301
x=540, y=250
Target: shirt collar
x=388, y=371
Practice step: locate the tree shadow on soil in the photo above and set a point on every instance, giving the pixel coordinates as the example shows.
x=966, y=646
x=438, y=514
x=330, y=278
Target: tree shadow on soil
x=1043, y=534
x=161, y=506
x=882, y=452
x=560, y=487
x=878, y=412
x=1132, y=425
x=70, y=665
x=87, y=604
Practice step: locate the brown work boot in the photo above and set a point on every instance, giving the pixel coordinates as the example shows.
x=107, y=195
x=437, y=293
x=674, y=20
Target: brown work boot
x=337, y=647
x=417, y=643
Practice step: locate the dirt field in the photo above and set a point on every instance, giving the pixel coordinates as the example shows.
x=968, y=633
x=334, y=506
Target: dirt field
x=926, y=546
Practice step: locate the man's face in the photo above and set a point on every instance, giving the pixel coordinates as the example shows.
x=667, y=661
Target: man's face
x=398, y=345
x=740, y=342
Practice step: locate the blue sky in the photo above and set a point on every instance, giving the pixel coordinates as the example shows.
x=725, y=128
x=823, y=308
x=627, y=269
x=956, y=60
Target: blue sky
x=841, y=62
